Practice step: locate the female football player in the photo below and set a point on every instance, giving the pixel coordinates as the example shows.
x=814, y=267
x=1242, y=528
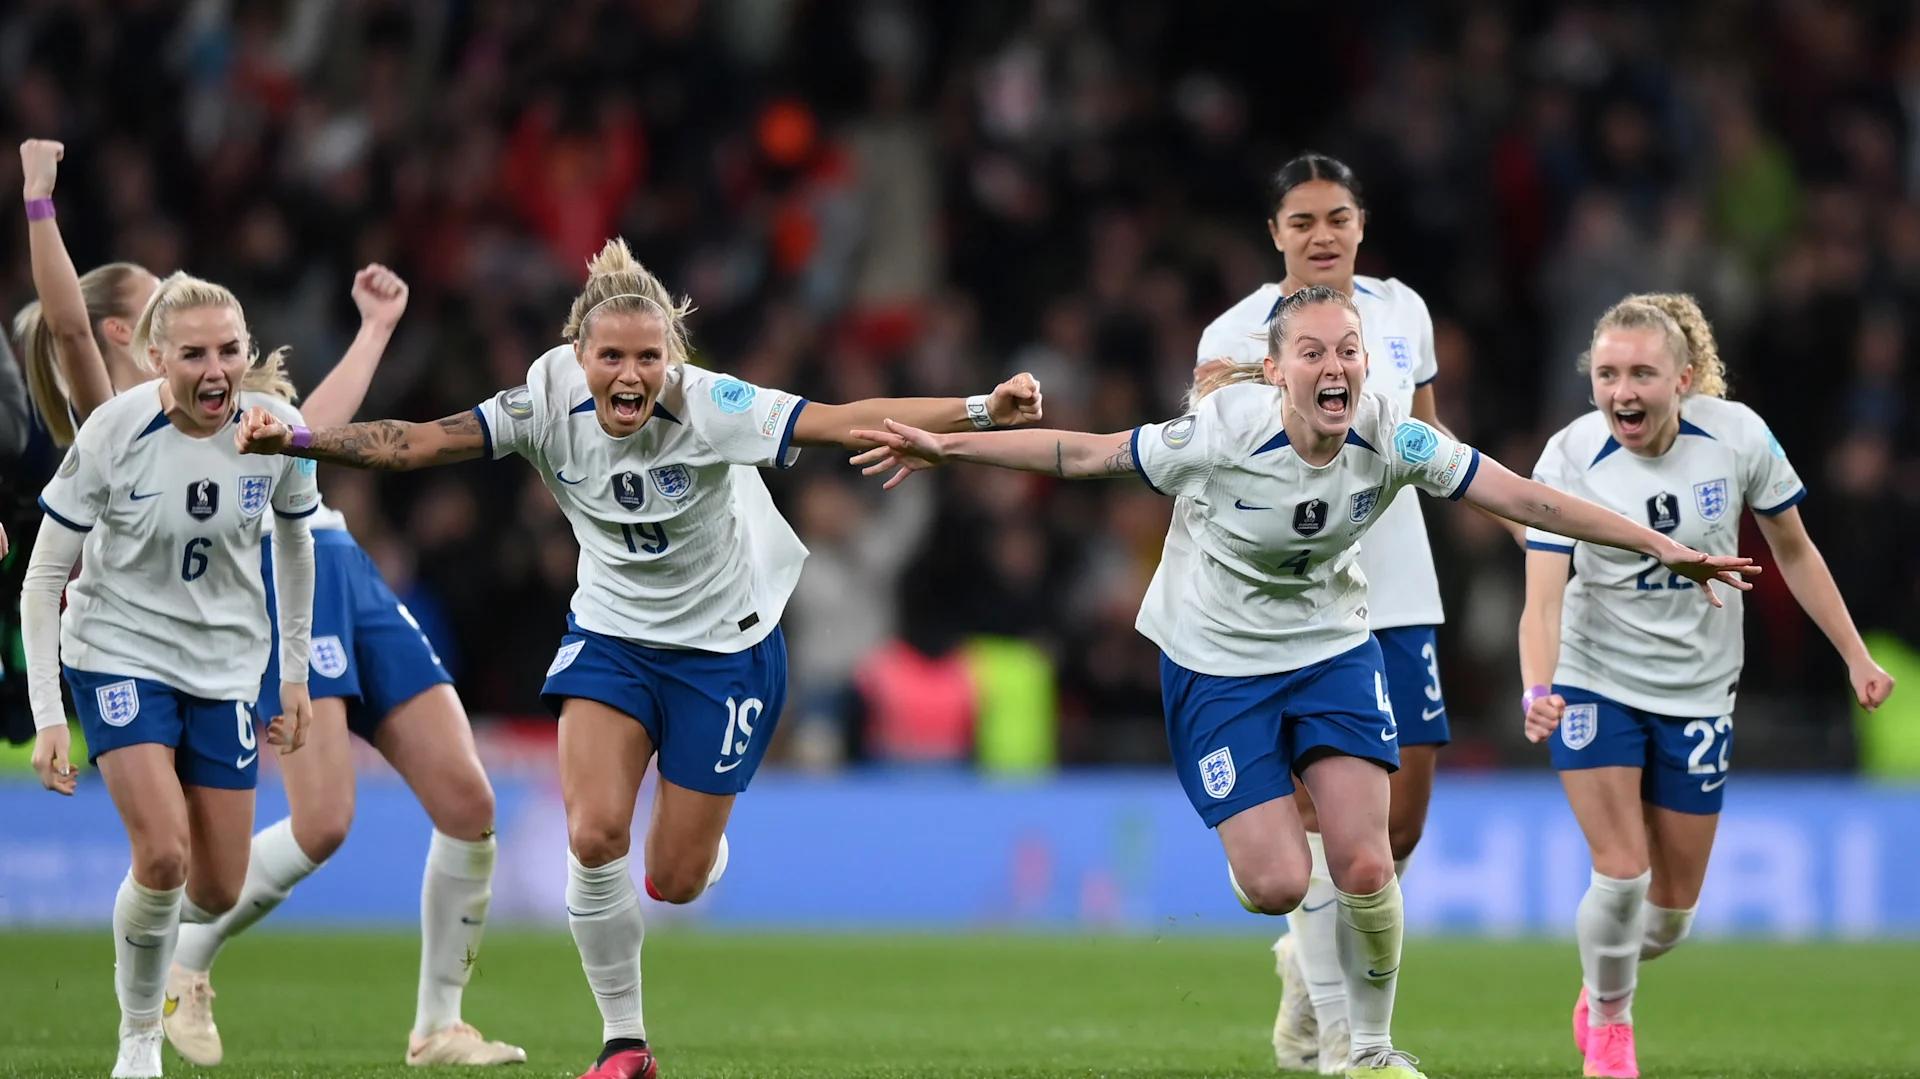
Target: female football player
x=1268, y=669
x=1619, y=660
x=166, y=632
x=673, y=644
x=373, y=672
x=1317, y=220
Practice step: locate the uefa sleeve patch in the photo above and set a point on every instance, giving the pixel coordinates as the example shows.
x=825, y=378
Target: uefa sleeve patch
x=1415, y=442
x=517, y=402
x=71, y=464
x=1178, y=432
x=565, y=657
x=733, y=396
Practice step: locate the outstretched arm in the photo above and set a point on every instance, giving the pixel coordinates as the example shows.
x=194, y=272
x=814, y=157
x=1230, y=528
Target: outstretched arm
x=1013, y=403
x=381, y=296
x=1811, y=582
x=1073, y=455
x=1529, y=502
x=393, y=445
x=62, y=308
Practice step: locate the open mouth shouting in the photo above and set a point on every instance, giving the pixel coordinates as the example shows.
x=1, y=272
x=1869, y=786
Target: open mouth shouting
x=211, y=401
x=1333, y=401
x=1631, y=423
x=626, y=407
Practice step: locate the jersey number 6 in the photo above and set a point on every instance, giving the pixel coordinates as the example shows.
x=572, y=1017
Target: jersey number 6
x=193, y=560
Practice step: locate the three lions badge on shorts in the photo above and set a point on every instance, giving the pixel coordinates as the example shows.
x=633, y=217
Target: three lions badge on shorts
x=1579, y=725
x=1216, y=773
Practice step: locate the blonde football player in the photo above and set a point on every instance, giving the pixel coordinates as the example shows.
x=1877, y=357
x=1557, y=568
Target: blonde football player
x=673, y=644
x=165, y=636
x=1622, y=662
x=1267, y=667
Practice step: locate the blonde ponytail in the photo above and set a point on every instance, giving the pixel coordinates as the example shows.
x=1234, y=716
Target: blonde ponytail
x=103, y=290
x=618, y=283
x=1689, y=335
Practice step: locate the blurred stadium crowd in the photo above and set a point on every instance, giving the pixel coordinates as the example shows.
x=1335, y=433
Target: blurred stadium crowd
x=881, y=196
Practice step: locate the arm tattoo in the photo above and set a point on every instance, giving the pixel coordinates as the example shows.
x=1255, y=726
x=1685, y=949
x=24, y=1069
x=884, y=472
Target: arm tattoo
x=395, y=445
x=1059, y=460
x=1123, y=460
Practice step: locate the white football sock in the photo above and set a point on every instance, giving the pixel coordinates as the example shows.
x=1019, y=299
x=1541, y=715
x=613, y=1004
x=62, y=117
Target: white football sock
x=1666, y=927
x=1370, y=931
x=276, y=864
x=146, y=922
x=455, y=891
x=1608, y=925
x=1400, y=866
x=1313, y=925
x=603, y=910
x=192, y=913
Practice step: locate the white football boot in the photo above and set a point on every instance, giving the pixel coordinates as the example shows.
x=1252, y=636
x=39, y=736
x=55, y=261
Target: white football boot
x=139, y=1052
x=1296, y=1039
x=187, y=1017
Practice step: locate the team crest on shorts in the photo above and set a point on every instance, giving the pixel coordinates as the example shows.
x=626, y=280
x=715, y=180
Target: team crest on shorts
x=628, y=491
x=1363, y=504
x=1310, y=517
x=329, y=656
x=203, y=499
x=1579, y=725
x=253, y=494
x=674, y=481
x=1663, y=512
x=1400, y=352
x=119, y=702
x=1217, y=774
x=1710, y=499
x=565, y=657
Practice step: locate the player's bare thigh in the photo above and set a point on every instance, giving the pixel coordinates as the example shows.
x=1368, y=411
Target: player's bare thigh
x=603, y=757
x=429, y=741
x=1411, y=797
x=1354, y=793
x=1266, y=847
x=153, y=808
x=1606, y=802
x=221, y=822
x=1679, y=846
x=320, y=782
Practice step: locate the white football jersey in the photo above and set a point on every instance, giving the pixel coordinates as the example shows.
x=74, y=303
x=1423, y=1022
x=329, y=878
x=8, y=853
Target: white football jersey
x=1629, y=628
x=1399, y=337
x=169, y=585
x=680, y=543
x=1260, y=573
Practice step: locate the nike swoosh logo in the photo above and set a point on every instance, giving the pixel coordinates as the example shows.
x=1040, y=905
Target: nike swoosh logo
x=137, y=944
x=1309, y=910
x=138, y=497
x=464, y=920
x=171, y=1005
x=1712, y=785
x=1239, y=505
x=562, y=477
x=725, y=767
x=1389, y=735
x=576, y=913
x=246, y=760
x=1372, y=973
x=1433, y=713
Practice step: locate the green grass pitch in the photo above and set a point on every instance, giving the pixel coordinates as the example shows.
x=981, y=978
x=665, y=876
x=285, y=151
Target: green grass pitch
x=982, y=1006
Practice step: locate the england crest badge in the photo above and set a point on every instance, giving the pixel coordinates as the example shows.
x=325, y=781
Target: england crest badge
x=1710, y=499
x=253, y=494
x=1217, y=774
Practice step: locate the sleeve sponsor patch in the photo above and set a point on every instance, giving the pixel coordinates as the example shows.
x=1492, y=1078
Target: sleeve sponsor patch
x=771, y=427
x=733, y=396
x=1415, y=442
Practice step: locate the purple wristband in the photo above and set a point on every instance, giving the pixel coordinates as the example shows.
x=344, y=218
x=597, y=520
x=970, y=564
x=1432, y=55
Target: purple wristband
x=1533, y=694
x=39, y=209
x=302, y=438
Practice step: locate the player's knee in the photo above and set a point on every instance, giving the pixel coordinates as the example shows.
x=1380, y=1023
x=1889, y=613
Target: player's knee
x=1620, y=864
x=466, y=811
x=1361, y=872
x=161, y=864
x=677, y=884
x=1272, y=890
x=596, y=844
x=321, y=831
